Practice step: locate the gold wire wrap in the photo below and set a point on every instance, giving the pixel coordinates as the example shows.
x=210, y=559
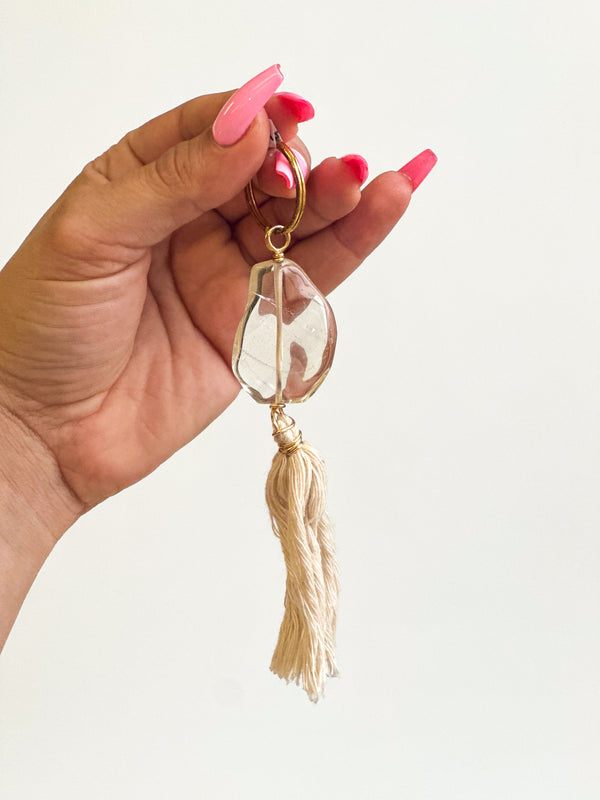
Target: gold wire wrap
x=288, y=448
x=300, y=196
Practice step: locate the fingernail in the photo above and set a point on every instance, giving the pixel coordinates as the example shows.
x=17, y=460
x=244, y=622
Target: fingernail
x=239, y=111
x=297, y=105
x=282, y=167
x=419, y=167
x=358, y=165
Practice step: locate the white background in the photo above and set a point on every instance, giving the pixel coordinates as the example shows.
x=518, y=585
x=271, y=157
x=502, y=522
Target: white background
x=460, y=428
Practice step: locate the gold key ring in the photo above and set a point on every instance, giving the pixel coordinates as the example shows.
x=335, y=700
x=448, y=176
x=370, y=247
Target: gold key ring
x=284, y=230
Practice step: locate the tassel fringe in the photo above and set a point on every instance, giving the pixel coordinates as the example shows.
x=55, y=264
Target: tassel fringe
x=295, y=493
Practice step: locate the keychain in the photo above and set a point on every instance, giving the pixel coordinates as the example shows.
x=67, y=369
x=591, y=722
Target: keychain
x=282, y=353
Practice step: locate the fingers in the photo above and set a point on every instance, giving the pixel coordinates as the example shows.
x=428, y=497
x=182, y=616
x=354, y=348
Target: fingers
x=287, y=110
x=330, y=255
x=269, y=181
x=275, y=177
x=216, y=293
x=333, y=190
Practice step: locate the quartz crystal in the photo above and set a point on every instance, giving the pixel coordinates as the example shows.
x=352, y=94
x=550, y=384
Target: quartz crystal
x=305, y=345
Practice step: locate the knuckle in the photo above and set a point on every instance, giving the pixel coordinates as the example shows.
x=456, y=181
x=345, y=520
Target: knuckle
x=67, y=231
x=175, y=168
x=74, y=222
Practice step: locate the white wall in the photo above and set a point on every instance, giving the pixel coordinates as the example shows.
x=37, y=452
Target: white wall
x=460, y=427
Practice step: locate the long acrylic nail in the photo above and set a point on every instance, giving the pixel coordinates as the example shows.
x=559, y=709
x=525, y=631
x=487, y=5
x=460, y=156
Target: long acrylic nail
x=282, y=167
x=239, y=111
x=419, y=167
x=358, y=165
x=297, y=105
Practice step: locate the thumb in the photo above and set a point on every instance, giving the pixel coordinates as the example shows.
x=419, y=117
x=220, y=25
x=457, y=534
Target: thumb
x=185, y=182
x=198, y=174
x=190, y=177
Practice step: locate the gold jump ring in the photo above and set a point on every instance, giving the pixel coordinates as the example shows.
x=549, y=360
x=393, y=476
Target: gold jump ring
x=300, y=195
x=278, y=230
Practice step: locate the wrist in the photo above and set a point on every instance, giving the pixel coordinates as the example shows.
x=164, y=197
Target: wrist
x=33, y=494
x=36, y=508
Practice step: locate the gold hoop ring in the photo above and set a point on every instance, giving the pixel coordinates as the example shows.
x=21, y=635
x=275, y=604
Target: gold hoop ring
x=300, y=195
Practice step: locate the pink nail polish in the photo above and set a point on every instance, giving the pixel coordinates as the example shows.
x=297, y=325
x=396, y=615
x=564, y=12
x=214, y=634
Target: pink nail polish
x=358, y=165
x=282, y=167
x=239, y=111
x=297, y=105
x=419, y=167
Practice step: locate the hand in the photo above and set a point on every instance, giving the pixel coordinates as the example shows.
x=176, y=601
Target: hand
x=120, y=308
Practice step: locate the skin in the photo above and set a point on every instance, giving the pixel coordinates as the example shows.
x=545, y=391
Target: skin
x=120, y=309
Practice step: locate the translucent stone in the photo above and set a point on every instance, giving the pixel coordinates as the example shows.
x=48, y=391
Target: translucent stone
x=307, y=335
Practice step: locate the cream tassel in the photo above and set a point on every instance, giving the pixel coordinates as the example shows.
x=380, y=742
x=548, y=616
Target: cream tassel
x=295, y=492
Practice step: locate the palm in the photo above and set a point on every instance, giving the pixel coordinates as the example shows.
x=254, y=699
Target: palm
x=164, y=375
x=176, y=379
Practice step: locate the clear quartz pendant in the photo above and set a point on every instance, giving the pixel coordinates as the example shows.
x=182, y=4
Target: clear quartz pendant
x=283, y=357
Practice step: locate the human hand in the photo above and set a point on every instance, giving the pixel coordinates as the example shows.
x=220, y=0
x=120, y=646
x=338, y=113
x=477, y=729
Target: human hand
x=120, y=309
